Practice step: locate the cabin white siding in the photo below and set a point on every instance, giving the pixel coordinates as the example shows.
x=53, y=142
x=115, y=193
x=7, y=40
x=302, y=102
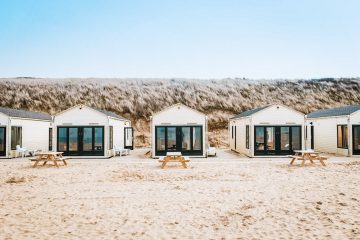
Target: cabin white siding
x=35, y=133
x=325, y=133
x=278, y=115
x=118, y=132
x=179, y=115
x=238, y=142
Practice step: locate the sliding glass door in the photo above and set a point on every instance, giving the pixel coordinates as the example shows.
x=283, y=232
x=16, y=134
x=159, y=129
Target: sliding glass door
x=185, y=139
x=356, y=139
x=277, y=140
x=81, y=141
x=2, y=141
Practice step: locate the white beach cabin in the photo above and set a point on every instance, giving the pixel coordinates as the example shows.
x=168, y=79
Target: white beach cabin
x=335, y=130
x=82, y=131
x=273, y=130
x=24, y=130
x=179, y=128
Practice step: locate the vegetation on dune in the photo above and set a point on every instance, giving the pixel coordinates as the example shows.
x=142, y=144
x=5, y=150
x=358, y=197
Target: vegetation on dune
x=138, y=99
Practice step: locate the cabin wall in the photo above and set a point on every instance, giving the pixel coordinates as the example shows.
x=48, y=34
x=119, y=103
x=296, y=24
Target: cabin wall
x=119, y=133
x=240, y=135
x=325, y=134
x=179, y=116
x=83, y=116
x=35, y=133
x=278, y=115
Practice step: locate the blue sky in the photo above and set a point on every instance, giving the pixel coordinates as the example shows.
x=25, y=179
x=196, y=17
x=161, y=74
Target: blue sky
x=180, y=38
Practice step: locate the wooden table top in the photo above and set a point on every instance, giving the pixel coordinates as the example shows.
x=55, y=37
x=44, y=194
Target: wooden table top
x=305, y=151
x=173, y=154
x=50, y=153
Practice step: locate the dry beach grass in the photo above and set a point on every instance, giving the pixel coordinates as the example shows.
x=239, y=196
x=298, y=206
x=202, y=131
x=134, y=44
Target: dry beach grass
x=138, y=99
x=216, y=198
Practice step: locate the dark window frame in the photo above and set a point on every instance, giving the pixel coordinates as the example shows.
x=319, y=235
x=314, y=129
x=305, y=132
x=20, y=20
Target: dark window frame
x=191, y=152
x=247, y=136
x=343, y=144
x=50, y=139
x=111, y=137
x=3, y=153
x=80, y=151
x=277, y=151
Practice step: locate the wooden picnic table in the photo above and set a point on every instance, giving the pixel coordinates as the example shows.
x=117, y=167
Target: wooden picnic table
x=49, y=157
x=174, y=157
x=307, y=155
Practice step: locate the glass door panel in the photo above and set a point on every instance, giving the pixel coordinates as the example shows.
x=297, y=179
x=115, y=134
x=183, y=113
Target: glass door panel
x=296, y=138
x=62, y=139
x=160, y=139
x=284, y=138
x=270, y=138
x=99, y=139
x=2, y=141
x=186, y=139
x=73, y=139
x=197, y=138
x=87, y=139
x=171, y=139
x=356, y=140
x=259, y=139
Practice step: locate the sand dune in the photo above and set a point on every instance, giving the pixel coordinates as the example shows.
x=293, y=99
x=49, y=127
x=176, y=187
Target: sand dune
x=216, y=198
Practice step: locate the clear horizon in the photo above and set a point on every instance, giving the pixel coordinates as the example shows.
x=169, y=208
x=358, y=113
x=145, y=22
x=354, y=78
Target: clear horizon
x=180, y=39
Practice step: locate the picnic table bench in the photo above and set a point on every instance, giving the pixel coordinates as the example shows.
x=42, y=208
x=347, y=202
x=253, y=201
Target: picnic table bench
x=45, y=157
x=174, y=157
x=307, y=155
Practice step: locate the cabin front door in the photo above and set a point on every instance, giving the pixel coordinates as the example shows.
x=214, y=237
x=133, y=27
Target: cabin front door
x=2, y=141
x=81, y=140
x=356, y=139
x=277, y=140
x=185, y=139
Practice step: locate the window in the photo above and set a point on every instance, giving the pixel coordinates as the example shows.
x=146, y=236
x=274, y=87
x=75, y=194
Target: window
x=111, y=137
x=16, y=137
x=50, y=139
x=247, y=136
x=342, y=136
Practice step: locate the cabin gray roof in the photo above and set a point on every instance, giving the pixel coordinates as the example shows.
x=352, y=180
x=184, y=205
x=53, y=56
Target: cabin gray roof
x=24, y=114
x=249, y=112
x=110, y=114
x=340, y=111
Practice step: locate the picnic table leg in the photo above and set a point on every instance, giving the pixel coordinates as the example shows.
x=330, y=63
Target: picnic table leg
x=303, y=163
x=53, y=158
x=322, y=163
x=311, y=161
x=64, y=162
x=292, y=160
x=184, y=164
x=44, y=163
x=36, y=163
x=163, y=164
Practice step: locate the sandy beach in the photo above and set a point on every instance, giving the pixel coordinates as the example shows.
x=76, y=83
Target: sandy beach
x=227, y=197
